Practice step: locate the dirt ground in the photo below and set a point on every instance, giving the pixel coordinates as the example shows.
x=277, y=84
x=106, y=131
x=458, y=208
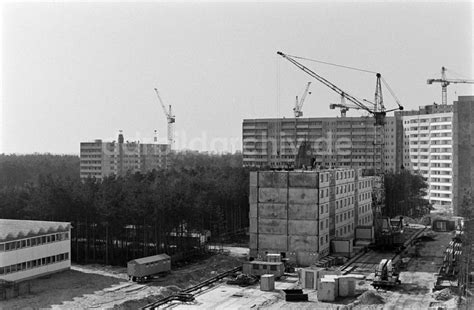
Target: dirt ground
x=96, y=286
x=431, y=253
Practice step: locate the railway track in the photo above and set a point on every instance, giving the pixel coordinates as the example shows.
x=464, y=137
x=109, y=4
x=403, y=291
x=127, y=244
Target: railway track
x=366, y=262
x=189, y=293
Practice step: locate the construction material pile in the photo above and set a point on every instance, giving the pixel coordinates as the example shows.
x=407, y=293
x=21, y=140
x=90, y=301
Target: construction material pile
x=243, y=280
x=371, y=298
x=443, y=295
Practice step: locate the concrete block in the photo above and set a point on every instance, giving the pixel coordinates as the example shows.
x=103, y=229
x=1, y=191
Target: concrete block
x=327, y=290
x=364, y=233
x=303, y=195
x=342, y=246
x=336, y=282
x=267, y=282
x=253, y=210
x=346, y=286
x=303, y=227
x=303, y=179
x=272, y=226
x=253, y=179
x=303, y=243
x=272, y=210
x=308, y=277
x=276, y=243
x=273, y=179
x=253, y=225
x=278, y=195
x=303, y=212
x=323, y=273
x=253, y=241
x=253, y=194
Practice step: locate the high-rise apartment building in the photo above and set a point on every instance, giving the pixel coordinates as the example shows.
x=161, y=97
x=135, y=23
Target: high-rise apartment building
x=463, y=151
x=299, y=213
x=428, y=149
x=100, y=159
x=335, y=142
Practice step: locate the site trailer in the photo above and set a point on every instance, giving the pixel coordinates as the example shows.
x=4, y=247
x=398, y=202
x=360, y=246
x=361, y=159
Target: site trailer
x=141, y=269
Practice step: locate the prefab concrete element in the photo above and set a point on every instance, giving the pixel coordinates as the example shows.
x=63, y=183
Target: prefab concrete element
x=267, y=282
x=327, y=289
x=311, y=276
x=346, y=286
x=308, y=277
x=342, y=247
x=364, y=233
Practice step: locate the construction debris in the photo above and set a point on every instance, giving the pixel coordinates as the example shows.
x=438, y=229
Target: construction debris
x=444, y=294
x=243, y=279
x=371, y=298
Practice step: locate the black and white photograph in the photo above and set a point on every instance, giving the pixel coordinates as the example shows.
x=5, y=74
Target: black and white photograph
x=269, y=154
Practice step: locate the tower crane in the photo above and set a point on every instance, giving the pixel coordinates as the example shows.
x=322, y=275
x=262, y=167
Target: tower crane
x=445, y=82
x=299, y=104
x=378, y=110
x=170, y=118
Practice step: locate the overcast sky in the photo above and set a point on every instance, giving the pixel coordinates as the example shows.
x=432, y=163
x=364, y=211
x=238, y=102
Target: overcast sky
x=75, y=72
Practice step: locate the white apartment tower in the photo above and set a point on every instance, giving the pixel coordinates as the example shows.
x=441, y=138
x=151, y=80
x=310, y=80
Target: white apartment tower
x=428, y=149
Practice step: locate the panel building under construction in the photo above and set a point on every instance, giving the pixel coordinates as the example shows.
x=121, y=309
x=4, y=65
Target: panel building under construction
x=298, y=214
x=335, y=142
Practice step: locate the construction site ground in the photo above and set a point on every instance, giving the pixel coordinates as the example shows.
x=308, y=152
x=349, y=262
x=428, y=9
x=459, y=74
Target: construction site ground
x=107, y=287
x=96, y=286
x=415, y=292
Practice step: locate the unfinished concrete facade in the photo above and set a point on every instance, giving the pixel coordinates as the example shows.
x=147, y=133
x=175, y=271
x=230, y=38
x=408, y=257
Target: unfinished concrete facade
x=298, y=213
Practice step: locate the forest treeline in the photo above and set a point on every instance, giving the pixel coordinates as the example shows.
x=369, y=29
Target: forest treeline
x=16, y=170
x=122, y=218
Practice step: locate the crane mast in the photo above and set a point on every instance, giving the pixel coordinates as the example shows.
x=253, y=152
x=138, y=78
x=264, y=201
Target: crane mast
x=299, y=104
x=170, y=119
x=444, y=84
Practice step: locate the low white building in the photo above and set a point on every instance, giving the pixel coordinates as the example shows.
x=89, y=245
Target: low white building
x=30, y=249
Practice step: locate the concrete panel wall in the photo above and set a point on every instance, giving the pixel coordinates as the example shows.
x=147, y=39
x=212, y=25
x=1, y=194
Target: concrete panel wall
x=275, y=243
x=253, y=241
x=302, y=179
x=253, y=225
x=278, y=195
x=304, y=258
x=253, y=181
x=303, y=212
x=272, y=226
x=253, y=194
x=272, y=210
x=303, y=243
x=303, y=195
x=253, y=209
x=273, y=179
x=303, y=227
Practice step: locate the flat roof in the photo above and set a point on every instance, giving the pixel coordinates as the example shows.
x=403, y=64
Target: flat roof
x=150, y=259
x=19, y=229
